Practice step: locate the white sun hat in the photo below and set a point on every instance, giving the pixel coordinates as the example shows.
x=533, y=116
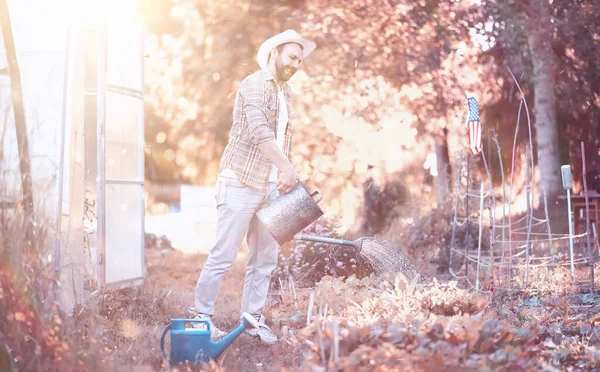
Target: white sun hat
x=287, y=36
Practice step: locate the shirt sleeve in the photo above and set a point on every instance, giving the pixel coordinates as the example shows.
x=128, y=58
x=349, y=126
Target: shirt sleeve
x=254, y=110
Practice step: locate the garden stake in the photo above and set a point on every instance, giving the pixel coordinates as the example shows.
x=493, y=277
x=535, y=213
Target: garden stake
x=311, y=303
x=503, y=202
x=587, y=220
x=480, y=234
x=455, y=214
x=546, y=208
x=529, y=215
x=567, y=184
x=467, y=215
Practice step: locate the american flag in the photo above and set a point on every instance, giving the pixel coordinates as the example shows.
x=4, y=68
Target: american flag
x=474, y=126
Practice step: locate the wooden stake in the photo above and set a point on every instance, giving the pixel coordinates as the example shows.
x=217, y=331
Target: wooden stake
x=587, y=219
x=503, y=201
x=596, y=237
x=294, y=290
x=336, y=341
x=545, y=198
x=570, y=234
x=311, y=303
x=20, y=125
x=281, y=288
x=529, y=214
x=321, y=346
x=455, y=214
x=491, y=207
x=524, y=101
x=480, y=235
x=512, y=173
x=467, y=215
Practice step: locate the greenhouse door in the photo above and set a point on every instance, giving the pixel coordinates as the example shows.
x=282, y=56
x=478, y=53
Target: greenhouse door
x=121, y=153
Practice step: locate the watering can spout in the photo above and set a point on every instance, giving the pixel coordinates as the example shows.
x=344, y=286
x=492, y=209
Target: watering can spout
x=225, y=342
x=322, y=239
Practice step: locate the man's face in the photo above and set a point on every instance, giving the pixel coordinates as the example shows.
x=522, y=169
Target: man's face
x=288, y=60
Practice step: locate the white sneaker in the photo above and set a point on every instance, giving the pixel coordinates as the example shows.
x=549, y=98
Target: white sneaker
x=263, y=332
x=215, y=333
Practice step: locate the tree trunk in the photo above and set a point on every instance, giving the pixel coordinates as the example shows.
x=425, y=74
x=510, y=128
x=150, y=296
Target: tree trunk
x=543, y=59
x=444, y=174
x=20, y=125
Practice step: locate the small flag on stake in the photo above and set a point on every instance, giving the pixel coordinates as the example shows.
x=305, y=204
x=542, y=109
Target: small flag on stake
x=474, y=125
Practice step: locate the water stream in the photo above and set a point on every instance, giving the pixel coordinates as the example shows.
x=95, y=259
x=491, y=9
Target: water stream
x=385, y=259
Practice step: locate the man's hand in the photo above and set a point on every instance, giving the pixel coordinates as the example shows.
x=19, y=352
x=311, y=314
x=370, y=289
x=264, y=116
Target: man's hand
x=287, y=180
x=287, y=177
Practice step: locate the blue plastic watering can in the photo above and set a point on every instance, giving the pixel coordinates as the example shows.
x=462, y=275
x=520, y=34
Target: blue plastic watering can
x=194, y=345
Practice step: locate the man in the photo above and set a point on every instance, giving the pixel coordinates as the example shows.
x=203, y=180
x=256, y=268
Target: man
x=255, y=166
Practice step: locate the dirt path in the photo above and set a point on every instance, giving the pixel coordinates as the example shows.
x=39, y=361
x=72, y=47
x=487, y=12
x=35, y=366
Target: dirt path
x=168, y=291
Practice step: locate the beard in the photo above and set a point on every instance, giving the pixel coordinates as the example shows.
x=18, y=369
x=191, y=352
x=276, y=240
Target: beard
x=284, y=72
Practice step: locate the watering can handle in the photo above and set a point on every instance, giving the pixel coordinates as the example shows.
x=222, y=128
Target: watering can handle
x=162, y=342
x=270, y=193
x=316, y=193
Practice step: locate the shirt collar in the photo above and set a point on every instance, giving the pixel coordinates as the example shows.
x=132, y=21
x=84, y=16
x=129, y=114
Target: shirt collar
x=268, y=75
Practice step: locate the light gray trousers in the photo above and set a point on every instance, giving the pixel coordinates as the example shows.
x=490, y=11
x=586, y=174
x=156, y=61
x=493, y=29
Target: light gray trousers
x=237, y=205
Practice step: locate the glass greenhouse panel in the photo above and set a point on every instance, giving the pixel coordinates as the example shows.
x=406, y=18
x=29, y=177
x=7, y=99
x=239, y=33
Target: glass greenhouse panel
x=34, y=24
x=43, y=94
x=124, y=137
x=10, y=176
x=124, y=53
x=41, y=58
x=123, y=161
x=124, y=232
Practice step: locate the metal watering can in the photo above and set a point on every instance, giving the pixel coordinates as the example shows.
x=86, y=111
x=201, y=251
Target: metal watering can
x=194, y=345
x=287, y=215
x=290, y=213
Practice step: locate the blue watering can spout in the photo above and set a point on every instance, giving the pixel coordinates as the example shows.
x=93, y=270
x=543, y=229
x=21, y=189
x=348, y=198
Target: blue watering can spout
x=195, y=345
x=220, y=346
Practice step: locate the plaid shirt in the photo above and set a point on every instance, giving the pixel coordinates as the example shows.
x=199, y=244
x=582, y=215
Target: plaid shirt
x=255, y=115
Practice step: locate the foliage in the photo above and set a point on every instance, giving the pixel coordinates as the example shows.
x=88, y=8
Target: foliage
x=305, y=262
x=380, y=324
x=35, y=334
x=506, y=26
x=382, y=203
x=384, y=81
x=372, y=324
x=409, y=326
